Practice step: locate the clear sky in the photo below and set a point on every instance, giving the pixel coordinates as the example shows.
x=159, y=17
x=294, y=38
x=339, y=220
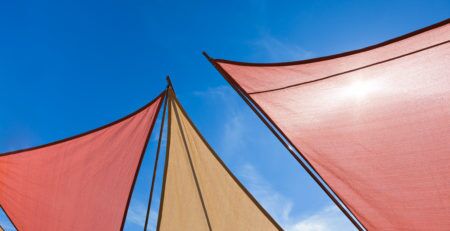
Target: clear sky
x=73, y=65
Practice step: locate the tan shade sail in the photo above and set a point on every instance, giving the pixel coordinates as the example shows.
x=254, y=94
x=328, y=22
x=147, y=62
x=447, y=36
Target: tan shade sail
x=80, y=183
x=199, y=192
x=374, y=123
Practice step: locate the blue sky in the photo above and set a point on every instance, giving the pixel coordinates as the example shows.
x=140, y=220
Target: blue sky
x=70, y=66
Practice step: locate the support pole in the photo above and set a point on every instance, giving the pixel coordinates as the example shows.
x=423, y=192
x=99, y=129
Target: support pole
x=155, y=167
x=166, y=161
x=288, y=145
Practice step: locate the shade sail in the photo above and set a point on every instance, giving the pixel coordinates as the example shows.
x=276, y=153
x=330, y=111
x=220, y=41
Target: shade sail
x=80, y=183
x=198, y=188
x=374, y=123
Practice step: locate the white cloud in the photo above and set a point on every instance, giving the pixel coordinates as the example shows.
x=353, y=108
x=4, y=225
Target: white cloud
x=329, y=218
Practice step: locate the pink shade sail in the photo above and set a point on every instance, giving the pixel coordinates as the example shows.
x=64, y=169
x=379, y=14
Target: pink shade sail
x=374, y=123
x=80, y=183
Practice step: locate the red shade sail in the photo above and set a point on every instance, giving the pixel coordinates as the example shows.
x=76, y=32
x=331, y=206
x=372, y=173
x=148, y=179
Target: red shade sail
x=80, y=183
x=374, y=123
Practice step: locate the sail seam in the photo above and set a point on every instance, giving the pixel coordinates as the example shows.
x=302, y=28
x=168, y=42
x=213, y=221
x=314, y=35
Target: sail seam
x=349, y=71
x=192, y=168
x=228, y=170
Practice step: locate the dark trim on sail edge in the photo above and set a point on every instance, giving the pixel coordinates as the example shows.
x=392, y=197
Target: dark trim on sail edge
x=166, y=164
x=140, y=163
x=348, y=71
x=272, y=126
x=261, y=208
x=155, y=167
x=405, y=36
x=84, y=133
x=162, y=94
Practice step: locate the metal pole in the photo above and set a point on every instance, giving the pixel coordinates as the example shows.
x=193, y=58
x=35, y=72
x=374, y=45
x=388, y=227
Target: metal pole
x=276, y=131
x=147, y=217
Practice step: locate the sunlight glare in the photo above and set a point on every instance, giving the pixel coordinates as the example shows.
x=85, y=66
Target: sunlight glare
x=360, y=89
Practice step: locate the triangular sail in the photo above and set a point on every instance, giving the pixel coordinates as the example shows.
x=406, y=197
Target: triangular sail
x=374, y=123
x=199, y=192
x=80, y=183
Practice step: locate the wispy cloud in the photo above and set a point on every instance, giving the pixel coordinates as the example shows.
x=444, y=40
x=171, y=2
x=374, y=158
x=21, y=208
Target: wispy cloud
x=136, y=215
x=7, y=227
x=20, y=137
x=155, y=132
x=327, y=219
x=5, y=223
x=238, y=125
x=278, y=50
x=234, y=129
x=274, y=202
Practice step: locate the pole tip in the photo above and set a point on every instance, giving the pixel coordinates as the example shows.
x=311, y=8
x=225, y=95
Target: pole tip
x=168, y=80
x=206, y=55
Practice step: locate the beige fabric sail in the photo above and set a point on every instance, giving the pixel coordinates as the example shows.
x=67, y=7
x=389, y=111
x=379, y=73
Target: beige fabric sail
x=198, y=187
